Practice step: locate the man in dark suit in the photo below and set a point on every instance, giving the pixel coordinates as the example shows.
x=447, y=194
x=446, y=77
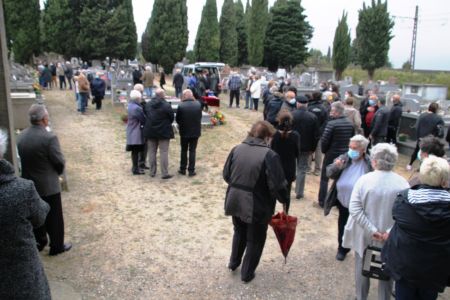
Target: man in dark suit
x=189, y=117
x=380, y=123
x=307, y=126
x=42, y=162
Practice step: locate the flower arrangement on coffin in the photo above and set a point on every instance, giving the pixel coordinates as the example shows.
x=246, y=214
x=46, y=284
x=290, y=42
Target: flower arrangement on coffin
x=217, y=118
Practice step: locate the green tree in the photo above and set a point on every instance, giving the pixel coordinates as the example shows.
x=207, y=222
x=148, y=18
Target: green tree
x=287, y=35
x=341, y=47
x=56, y=27
x=259, y=16
x=166, y=34
x=207, y=42
x=22, y=18
x=121, y=30
x=406, y=66
x=241, y=34
x=373, y=34
x=190, y=56
x=145, y=46
x=228, y=34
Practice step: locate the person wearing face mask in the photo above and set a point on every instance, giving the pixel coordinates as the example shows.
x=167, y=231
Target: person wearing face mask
x=289, y=104
x=334, y=141
x=255, y=179
x=345, y=171
x=370, y=114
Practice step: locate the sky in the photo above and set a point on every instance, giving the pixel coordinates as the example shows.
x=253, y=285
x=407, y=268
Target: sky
x=433, y=44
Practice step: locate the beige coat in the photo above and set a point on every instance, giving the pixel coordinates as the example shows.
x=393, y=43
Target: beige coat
x=148, y=78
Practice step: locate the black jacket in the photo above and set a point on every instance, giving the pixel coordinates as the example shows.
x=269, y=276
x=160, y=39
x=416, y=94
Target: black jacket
x=418, y=248
x=255, y=180
x=272, y=108
x=336, y=136
x=98, y=88
x=320, y=111
x=395, y=115
x=158, y=124
x=289, y=150
x=137, y=74
x=178, y=80
x=380, y=122
x=189, y=118
x=429, y=123
x=307, y=125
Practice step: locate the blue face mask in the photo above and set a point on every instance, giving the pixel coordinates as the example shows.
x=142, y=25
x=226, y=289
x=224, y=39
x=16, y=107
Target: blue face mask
x=372, y=102
x=353, y=154
x=419, y=157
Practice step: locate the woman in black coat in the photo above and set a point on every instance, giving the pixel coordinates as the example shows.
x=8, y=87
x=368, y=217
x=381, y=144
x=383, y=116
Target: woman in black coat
x=21, y=209
x=286, y=143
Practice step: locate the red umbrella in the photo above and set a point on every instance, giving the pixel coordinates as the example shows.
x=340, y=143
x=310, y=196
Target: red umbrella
x=284, y=227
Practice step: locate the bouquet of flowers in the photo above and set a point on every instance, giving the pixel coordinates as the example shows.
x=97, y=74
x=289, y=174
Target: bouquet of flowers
x=37, y=88
x=217, y=118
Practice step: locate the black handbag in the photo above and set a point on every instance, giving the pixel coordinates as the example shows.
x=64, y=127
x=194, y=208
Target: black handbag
x=372, y=264
x=330, y=199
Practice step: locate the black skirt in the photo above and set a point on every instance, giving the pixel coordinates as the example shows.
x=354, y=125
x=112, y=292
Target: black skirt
x=138, y=148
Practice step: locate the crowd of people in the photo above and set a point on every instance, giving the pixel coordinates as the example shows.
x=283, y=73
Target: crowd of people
x=408, y=222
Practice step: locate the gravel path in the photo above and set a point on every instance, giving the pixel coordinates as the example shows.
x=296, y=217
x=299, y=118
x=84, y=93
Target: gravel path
x=137, y=237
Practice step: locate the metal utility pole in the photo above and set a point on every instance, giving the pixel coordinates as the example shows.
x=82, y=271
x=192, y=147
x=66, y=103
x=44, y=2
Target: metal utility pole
x=6, y=115
x=412, y=59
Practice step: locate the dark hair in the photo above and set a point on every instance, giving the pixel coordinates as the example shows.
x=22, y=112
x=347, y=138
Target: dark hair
x=350, y=100
x=308, y=96
x=317, y=96
x=292, y=89
x=432, y=145
x=262, y=130
x=433, y=107
x=350, y=93
x=335, y=88
x=284, y=120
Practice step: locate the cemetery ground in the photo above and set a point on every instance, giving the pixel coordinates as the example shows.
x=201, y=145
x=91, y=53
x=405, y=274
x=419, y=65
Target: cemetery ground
x=137, y=237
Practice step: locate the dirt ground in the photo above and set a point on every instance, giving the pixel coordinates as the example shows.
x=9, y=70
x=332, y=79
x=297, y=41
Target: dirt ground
x=137, y=237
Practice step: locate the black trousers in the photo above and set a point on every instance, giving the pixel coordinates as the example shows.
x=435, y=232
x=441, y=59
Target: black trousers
x=342, y=220
x=234, y=94
x=98, y=102
x=135, y=160
x=407, y=291
x=62, y=81
x=248, y=238
x=288, y=203
x=143, y=156
x=188, y=144
x=414, y=154
x=392, y=135
x=54, y=225
x=255, y=103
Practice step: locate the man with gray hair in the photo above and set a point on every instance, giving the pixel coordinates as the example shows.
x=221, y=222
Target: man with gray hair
x=334, y=142
x=189, y=118
x=158, y=131
x=42, y=162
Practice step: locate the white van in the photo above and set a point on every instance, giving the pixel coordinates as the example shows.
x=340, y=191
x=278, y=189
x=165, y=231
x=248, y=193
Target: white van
x=197, y=68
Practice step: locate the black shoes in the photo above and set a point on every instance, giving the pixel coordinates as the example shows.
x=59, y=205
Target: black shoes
x=249, y=278
x=232, y=267
x=144, y=167
x=66, y=248
x=192, y=174
x=167, y=176
x=139, y=172
x=340, y=256
x=298, y=197
x=41, y=246
x=181, y=172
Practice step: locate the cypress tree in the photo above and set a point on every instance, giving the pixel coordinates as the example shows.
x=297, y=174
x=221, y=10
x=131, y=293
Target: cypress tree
x=56, y=27
x=145, y=46
x=22, y=19
x=121, y=30
x=373, y=34
x=207, y=42
x=341, y=47
x=167, y=33
x=259, y=15
x=228, y=34
x=287, y=35
x=241, y=34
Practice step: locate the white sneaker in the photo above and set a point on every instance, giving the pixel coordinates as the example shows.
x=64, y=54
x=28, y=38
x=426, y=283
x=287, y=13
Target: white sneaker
x=408, y=167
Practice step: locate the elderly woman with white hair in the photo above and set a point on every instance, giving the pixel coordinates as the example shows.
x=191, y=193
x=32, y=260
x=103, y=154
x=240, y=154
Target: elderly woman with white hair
x=346, y=170
x=371, y=213
x=417, y=251
x=21, y=209
x=135, y=124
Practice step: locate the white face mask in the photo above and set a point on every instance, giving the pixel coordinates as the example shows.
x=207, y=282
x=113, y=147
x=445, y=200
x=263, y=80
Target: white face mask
x=292, y=101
